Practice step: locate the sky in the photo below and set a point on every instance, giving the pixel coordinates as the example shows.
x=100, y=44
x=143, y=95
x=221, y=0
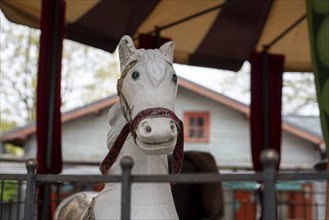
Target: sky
x=237, y=85
x=219, y=80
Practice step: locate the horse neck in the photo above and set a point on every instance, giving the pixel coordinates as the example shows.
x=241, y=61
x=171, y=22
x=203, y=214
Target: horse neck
x=149, y=200
x=143, y=164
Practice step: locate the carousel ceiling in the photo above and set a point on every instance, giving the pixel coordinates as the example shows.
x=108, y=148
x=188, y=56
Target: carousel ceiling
x=222, y=36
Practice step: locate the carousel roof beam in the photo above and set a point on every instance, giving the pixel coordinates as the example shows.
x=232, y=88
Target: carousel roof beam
x=159, y=28
x=269, y=45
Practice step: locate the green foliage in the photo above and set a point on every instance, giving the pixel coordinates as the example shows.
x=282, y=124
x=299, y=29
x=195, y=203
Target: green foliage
x=6, y=125
x=8, y=190
x=13, y=150
x=9, y=148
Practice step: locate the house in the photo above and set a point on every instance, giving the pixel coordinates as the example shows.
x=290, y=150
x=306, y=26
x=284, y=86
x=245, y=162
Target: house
x=212, y=123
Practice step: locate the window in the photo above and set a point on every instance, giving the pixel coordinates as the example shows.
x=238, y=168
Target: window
x=196, y=126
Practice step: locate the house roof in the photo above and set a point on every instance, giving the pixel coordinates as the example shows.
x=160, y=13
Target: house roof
x=18, y=135
x=296, y=125
x=312, y=124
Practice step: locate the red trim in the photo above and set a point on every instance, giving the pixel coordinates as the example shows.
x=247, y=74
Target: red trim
x=94, y=108
x=214, y=96
x=302, y=134
x=204, y=127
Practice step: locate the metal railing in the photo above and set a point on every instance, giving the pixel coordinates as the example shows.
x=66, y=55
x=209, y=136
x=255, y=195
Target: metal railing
x=268, y=177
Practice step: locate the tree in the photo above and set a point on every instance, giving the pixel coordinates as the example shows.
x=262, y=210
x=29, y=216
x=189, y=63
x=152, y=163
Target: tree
x=299, y=94
x=86, y=73
x=18, y=67
x=298, y=90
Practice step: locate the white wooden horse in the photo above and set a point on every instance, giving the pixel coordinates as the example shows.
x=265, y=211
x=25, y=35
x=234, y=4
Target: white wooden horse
x=144, y=127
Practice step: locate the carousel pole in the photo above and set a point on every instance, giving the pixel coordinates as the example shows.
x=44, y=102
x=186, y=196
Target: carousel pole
x=268, y=67
x=48, y=118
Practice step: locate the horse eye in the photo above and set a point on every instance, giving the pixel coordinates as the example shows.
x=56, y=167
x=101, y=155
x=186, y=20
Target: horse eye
x=174, y=78
x=135, y=75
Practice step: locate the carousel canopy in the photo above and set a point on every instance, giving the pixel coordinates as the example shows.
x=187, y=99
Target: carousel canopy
x=217, y=33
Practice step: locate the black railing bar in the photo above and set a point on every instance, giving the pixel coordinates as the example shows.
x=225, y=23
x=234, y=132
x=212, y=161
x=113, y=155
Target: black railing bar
x=31, y=166
x=77, y=178
x=9, y=176
x=126, y=165
x=2, y=185
x=269, y=159
x=197, y=178
x=323, y=175
x=18, y=199
x=296, y=202
x=182, y=178
x=269, y=45
x=167, y=178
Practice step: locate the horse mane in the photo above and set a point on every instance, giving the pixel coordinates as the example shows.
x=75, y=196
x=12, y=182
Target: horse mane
x=116, y=121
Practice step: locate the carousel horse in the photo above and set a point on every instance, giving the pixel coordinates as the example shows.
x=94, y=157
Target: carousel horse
x=143, y=125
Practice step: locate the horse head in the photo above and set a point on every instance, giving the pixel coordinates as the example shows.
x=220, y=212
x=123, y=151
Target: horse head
x=147, y=90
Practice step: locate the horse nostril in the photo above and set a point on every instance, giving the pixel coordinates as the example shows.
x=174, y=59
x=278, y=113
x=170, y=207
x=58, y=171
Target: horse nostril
x=172, y=126
x=147, y=129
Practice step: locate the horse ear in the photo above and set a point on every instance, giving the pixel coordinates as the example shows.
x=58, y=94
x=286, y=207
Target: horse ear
x=167, y=50
x=127, y=51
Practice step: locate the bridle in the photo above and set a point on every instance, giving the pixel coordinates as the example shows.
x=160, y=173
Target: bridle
x=131, y=126
x=123, y=102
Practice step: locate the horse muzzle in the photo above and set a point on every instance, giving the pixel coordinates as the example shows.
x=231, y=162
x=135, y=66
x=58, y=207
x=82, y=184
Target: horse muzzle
x=156, y=135
x=155, y=131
